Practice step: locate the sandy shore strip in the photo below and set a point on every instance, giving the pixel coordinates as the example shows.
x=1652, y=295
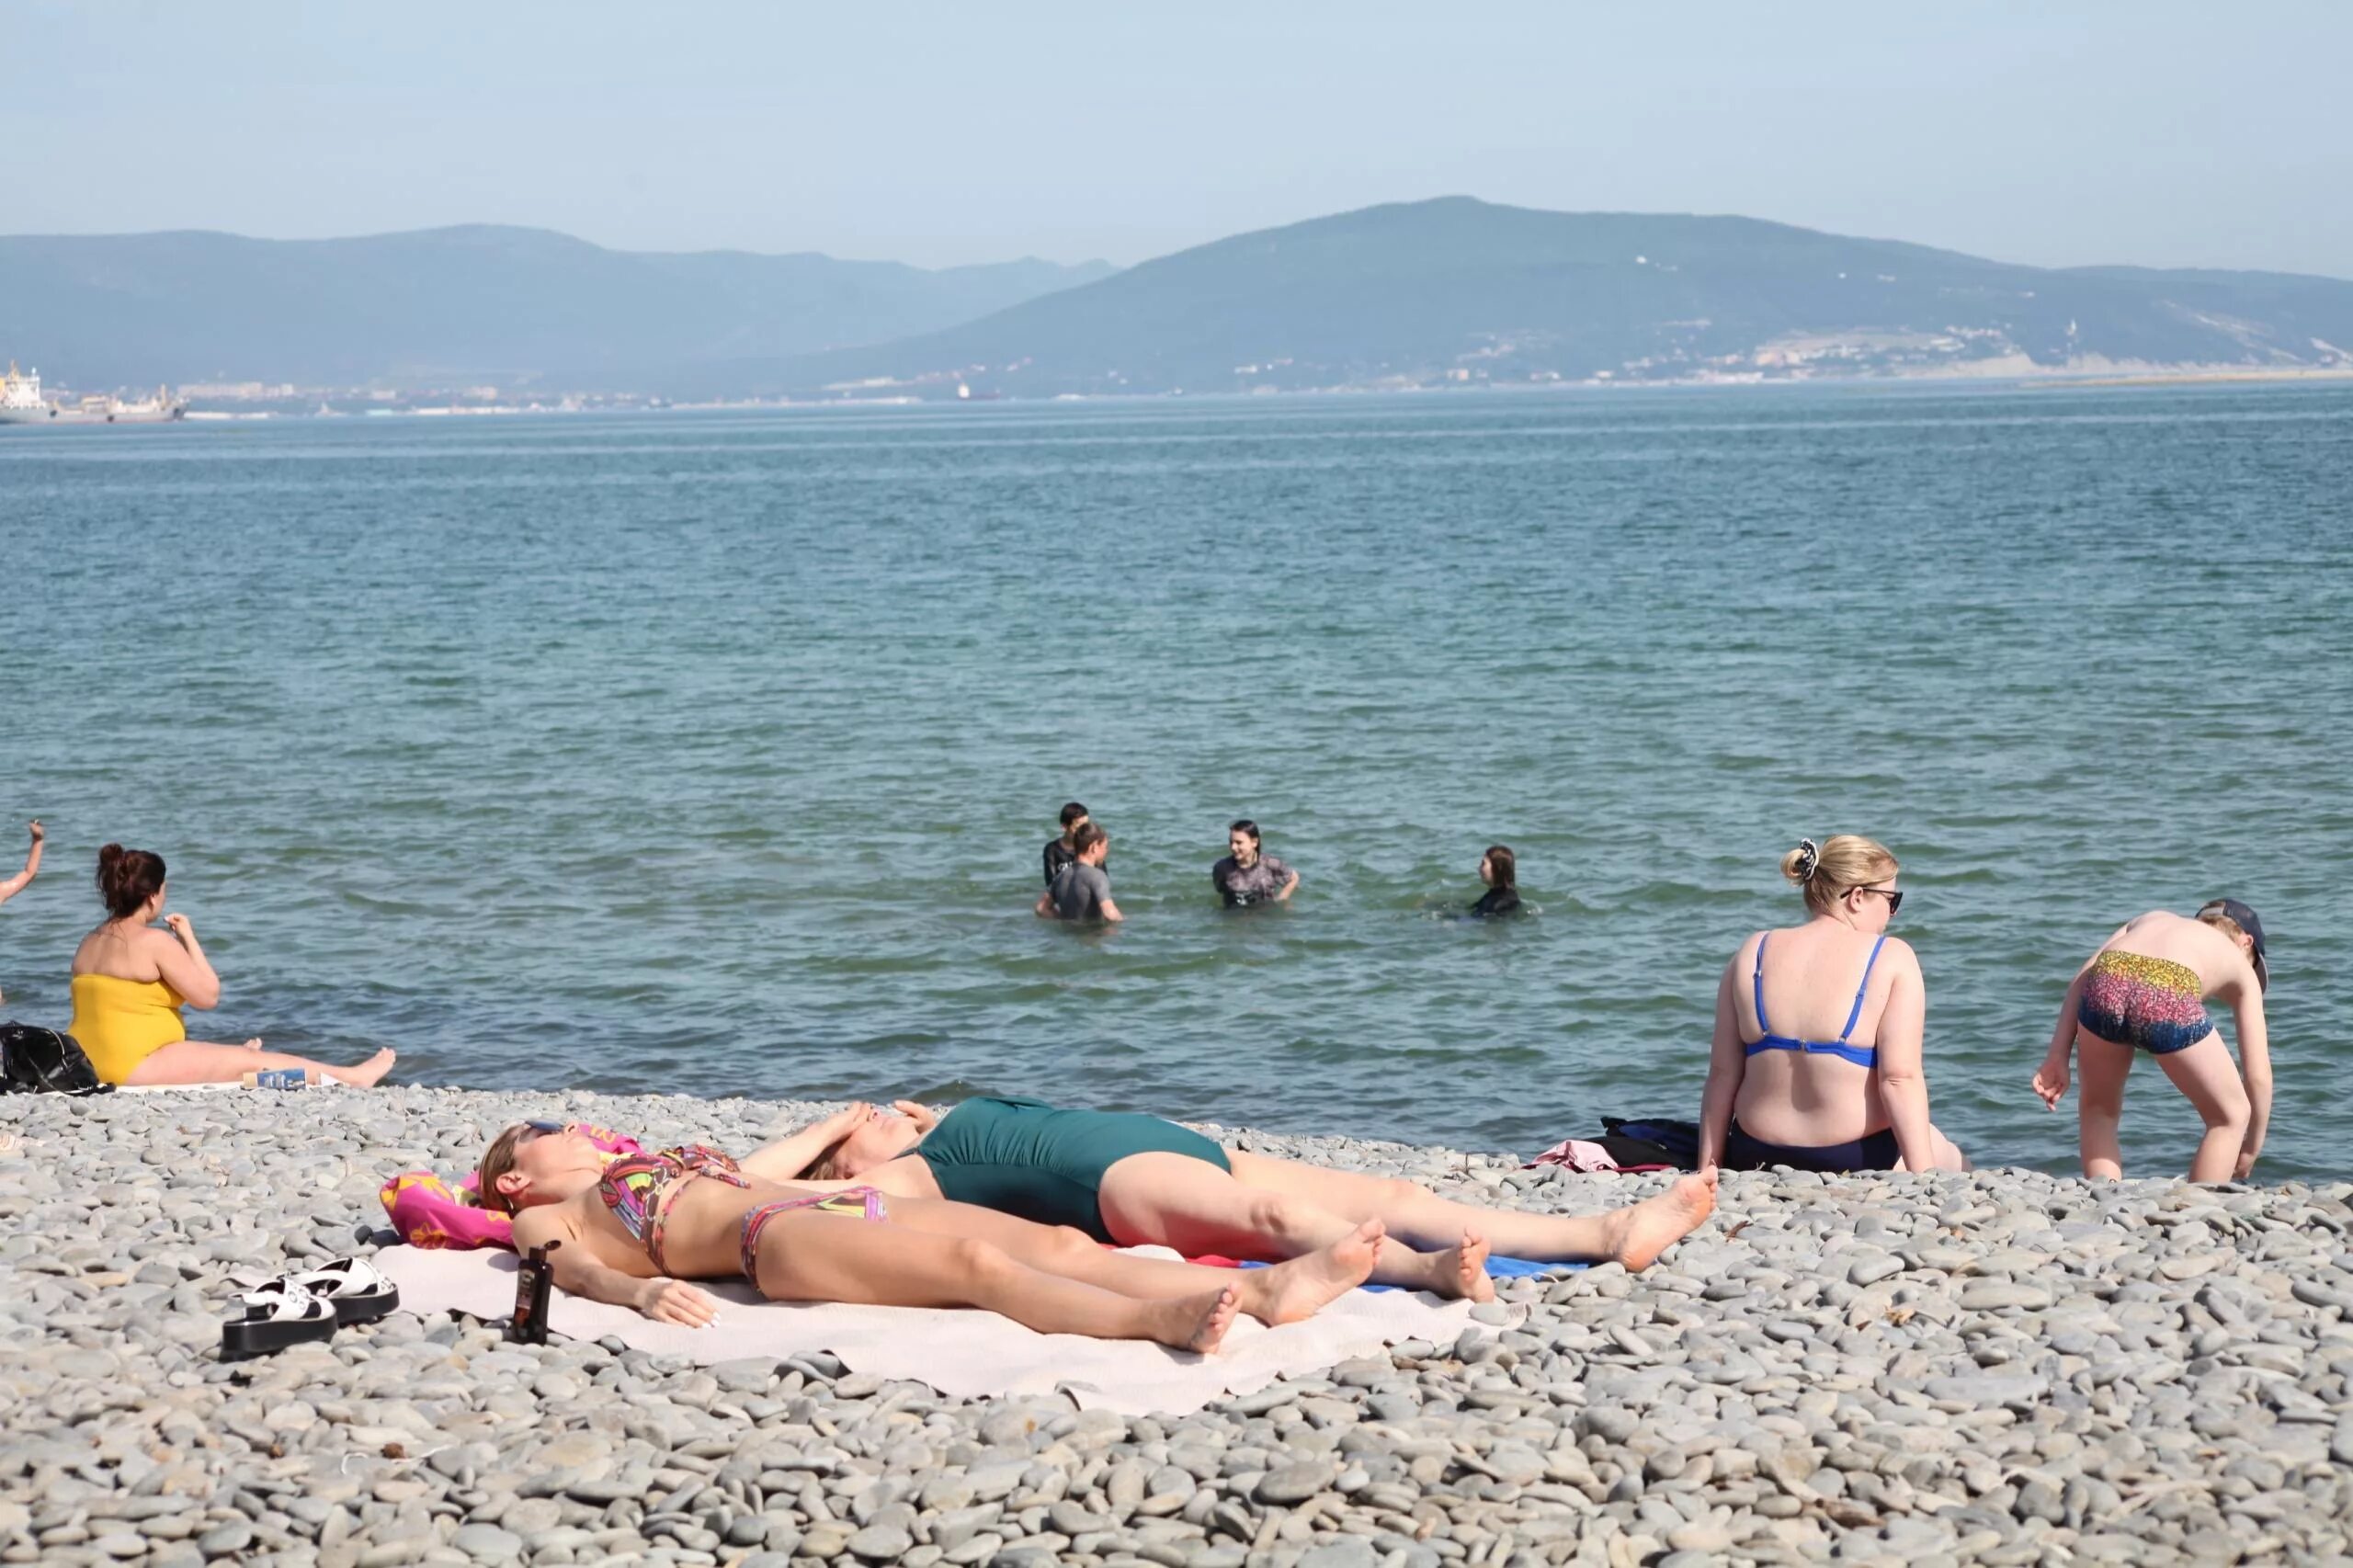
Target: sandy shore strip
x=2003, y=1368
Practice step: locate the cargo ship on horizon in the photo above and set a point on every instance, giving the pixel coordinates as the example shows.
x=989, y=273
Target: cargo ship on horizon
x=21, y=403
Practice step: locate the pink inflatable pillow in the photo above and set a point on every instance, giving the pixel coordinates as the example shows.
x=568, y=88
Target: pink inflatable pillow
x=429, y=1212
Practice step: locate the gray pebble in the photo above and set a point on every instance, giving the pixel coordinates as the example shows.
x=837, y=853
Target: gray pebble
x=1293, y=1483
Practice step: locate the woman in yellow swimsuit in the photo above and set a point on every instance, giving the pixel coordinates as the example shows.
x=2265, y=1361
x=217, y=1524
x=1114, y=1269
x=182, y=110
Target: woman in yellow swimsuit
x=130, y=982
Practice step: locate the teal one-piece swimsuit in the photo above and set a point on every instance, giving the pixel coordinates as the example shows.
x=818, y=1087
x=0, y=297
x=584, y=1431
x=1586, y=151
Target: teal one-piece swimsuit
x=1026, y=1158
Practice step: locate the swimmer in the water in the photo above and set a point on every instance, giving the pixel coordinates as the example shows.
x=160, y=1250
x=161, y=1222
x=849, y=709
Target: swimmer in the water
x=1061, y=852
x=1501, y=873
x=1081, y=889
x=1246, y=876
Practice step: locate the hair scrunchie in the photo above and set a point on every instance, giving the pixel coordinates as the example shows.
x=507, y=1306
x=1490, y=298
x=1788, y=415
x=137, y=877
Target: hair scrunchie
x=1809, y=857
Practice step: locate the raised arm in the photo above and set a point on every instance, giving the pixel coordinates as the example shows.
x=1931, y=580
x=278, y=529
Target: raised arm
x=16, y=883
x=789, y=1157
x=1727, y=1064
x=1902, y=1087
x=2254, y=1067
x=580, y=1273
x=180, y=960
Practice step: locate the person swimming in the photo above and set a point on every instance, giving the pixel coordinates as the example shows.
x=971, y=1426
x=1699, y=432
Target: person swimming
x=1825, y=1101
x=1081, y=889
x=1500, y=870
x=2145, y=989
x=1061, y=852
x=130, y=982
x=1246, y=876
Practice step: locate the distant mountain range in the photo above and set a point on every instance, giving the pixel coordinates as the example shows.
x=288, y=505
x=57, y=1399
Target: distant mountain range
x=477, y=303
x=1460, y=291
x=1440, y=292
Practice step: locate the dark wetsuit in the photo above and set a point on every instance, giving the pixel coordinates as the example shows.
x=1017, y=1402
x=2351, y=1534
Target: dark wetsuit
x=1026, y=1158
x=1497, y=900
x=1058, y=855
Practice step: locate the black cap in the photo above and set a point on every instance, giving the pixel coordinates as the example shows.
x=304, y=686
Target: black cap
x=2248, y=924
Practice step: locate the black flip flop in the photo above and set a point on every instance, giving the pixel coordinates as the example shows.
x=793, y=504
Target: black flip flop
x=277, y=1317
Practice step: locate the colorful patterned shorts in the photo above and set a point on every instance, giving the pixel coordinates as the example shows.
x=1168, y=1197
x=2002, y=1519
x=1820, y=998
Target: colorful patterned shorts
x=2152, y=1004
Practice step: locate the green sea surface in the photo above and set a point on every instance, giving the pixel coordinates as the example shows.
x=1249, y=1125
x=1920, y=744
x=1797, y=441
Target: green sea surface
x=714, y=753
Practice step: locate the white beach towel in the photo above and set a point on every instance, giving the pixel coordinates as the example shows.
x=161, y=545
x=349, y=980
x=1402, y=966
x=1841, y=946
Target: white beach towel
x=963, y=1353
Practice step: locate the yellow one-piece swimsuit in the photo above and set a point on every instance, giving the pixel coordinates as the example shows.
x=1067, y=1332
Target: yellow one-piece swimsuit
x=120, y=1023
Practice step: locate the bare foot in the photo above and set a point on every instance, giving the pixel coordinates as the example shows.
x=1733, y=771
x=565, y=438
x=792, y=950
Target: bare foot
x=368, y=1072
x=1637, y=1235
x=1290, y=1291
x=1464, y=1268
x=1196, y=1323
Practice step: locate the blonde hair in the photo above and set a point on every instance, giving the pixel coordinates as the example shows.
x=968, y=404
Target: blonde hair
x=1828, y=870
x=2221, y=921
x=827, y=1166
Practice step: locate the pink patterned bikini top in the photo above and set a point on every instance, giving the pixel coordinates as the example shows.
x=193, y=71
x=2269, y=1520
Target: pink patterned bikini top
x=636, y=1188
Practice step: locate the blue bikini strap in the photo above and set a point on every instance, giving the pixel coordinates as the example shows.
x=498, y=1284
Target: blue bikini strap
x=1764, y=1030
x=1868, y=965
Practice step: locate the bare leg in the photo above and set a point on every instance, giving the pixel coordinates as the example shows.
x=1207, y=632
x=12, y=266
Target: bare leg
x=1285, y=1293
x=1634, y=1235
x=2205, y=1072
x=202, y=1062
x=2101, y=1066
x=811, y=1256
x=1190, y=1204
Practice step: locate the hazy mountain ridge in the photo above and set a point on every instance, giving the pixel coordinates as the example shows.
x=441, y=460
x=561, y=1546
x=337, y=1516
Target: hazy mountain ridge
x=1456, y=289
x=1447, y=291
x=478, y=301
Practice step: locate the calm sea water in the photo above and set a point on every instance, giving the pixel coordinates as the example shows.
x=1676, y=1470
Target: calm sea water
x=714, y=753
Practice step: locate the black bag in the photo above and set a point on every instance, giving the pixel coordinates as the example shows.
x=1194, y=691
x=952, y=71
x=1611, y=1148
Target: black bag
x=35, y=1060
x=1677, y=1140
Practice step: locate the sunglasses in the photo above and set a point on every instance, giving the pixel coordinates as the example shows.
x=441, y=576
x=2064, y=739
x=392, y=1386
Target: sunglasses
x=1894, y=898
x=535, y=1127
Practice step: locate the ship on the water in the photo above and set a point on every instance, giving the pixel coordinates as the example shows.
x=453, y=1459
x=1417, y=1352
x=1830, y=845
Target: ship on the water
x=22, y=402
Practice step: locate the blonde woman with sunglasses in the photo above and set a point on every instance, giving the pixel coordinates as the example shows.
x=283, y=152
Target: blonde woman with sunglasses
x=1815, y=1062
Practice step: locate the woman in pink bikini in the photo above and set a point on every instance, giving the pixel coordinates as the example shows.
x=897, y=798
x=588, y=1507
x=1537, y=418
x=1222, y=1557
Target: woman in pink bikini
x=636, y=1229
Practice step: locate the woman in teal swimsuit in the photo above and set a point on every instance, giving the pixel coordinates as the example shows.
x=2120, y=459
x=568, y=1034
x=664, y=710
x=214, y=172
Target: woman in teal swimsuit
x=1138, y=1180
x=636, y=1229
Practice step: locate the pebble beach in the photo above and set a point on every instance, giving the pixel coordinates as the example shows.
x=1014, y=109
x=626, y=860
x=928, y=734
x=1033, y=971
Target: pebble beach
x=2002, y=1367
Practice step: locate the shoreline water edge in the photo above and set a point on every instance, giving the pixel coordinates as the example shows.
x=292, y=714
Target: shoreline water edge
x=1997, y=1367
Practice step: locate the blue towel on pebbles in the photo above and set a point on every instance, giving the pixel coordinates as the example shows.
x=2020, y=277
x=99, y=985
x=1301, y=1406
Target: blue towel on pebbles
x=1498, y=1269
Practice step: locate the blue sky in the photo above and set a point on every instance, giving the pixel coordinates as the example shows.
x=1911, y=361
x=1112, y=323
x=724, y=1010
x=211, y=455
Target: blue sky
x=2160, y=134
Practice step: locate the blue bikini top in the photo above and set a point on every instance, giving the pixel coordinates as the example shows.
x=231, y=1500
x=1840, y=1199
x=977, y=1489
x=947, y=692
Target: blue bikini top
x=1860, y=1055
